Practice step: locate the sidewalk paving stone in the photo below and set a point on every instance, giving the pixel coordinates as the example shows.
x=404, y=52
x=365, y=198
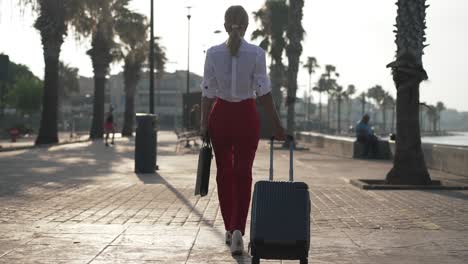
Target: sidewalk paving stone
x=82, y=203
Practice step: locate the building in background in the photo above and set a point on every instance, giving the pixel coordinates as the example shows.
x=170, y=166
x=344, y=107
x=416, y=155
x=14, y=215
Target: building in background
x=168, y=96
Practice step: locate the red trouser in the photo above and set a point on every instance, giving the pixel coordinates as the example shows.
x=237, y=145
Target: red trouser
x=234, y=132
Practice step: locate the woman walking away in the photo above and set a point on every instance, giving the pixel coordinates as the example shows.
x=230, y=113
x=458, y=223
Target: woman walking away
x=235, y=74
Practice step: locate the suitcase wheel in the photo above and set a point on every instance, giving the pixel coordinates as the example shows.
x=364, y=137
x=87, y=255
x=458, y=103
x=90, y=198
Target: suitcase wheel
x=255, y=260
x=303, y=261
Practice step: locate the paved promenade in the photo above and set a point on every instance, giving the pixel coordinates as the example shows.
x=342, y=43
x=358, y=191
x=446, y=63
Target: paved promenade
x=82, y=203
x=28, y=142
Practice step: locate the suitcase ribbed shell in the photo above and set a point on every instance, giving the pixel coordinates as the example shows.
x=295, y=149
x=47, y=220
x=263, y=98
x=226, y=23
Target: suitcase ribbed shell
x=280, y=220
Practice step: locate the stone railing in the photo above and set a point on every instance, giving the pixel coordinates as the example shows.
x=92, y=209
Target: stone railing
x=451, y=159
x=346, y=147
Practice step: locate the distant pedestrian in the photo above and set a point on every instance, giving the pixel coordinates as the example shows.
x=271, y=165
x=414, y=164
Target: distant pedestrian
x=109, y=126
x=14, y=133
x=234, y=76
x=365, y=135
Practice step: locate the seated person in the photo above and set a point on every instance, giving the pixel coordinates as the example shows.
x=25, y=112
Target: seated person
x=365, y=135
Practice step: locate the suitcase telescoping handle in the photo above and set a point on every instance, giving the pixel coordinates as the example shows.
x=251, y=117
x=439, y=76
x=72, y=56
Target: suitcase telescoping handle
x=291, y=157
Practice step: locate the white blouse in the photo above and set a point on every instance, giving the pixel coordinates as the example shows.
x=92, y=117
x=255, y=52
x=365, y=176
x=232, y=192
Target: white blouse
x=235, y=78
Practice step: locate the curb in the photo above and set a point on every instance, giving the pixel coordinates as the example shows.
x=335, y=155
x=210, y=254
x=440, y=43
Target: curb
x=43, y=145
x=380, y=185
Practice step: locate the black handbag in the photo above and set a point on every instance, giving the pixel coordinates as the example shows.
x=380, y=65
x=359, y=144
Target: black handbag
x=203, y=171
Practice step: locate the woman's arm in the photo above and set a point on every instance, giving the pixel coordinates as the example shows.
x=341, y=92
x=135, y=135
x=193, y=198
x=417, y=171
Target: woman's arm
x=206, y=105
x=269, y=106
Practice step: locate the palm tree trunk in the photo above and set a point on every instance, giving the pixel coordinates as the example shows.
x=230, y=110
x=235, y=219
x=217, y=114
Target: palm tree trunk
x=350, y=109
x=127, y=130
x=384, y=119
x=276, y=81
x=320, y=111
x=101, y=58
x=409, y=166
x=363, y=106
x=291, y=114
x=293, y=51
x=328, y=112
x=338, y=129
x=97, y=125
x=293, y=67
x=309, y=99
x=51, y=24
x=48, y=131
x=438, y=121
x=129, y=115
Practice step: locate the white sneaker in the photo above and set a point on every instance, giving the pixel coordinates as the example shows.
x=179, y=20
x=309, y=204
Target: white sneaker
x=228, y=237
x=237, y=244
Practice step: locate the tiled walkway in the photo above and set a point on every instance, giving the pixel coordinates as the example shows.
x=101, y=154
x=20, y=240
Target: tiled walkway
x=82, y=203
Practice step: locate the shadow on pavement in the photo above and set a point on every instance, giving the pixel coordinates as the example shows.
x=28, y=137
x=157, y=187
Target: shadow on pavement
x=66, y=165
x=156, y=178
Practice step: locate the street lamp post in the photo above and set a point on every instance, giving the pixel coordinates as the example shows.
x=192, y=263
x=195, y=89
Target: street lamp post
x=188, y=67
x=151, y=60
x=188, y=48
x=186, y=108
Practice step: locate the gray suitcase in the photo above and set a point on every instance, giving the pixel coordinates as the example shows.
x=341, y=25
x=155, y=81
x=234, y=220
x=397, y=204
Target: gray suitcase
x=280, y=223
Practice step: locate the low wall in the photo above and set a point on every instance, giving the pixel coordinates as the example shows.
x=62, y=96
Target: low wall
x=341, y=146
x=444, y=158
x=337, y=146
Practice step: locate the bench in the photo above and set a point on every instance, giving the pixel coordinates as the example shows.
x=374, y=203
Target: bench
x=383, y=150
x=186, y=136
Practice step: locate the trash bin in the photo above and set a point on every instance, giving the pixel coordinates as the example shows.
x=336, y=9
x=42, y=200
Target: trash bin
x=145, y=143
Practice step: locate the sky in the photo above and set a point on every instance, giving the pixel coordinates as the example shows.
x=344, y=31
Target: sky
x=355, y=36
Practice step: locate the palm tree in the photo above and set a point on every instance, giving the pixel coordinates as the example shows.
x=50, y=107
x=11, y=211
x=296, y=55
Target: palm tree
x=52, y=22
x=388, y=101
x=68, y=80
x=440, y=107
x=68, y=85
x=310, y=65
x=408, y=72
x=339, y=93
x=132, y=30
x=362, y=99
x=378, y=94
x=320, y=88
x=350, y=91
x=432, y=117
x=330, y=73
x=160, y=60
x=99, y=21
x=295, y=34
x=273, y=18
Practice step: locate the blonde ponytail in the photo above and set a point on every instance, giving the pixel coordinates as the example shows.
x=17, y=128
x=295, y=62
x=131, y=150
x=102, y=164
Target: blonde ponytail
x=235, y=22
x=234, y=41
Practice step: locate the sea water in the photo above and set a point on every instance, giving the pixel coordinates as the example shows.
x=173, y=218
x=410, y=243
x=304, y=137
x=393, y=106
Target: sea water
x=456, y=139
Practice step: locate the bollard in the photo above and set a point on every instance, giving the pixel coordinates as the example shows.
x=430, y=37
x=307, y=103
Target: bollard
x=145, y=143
